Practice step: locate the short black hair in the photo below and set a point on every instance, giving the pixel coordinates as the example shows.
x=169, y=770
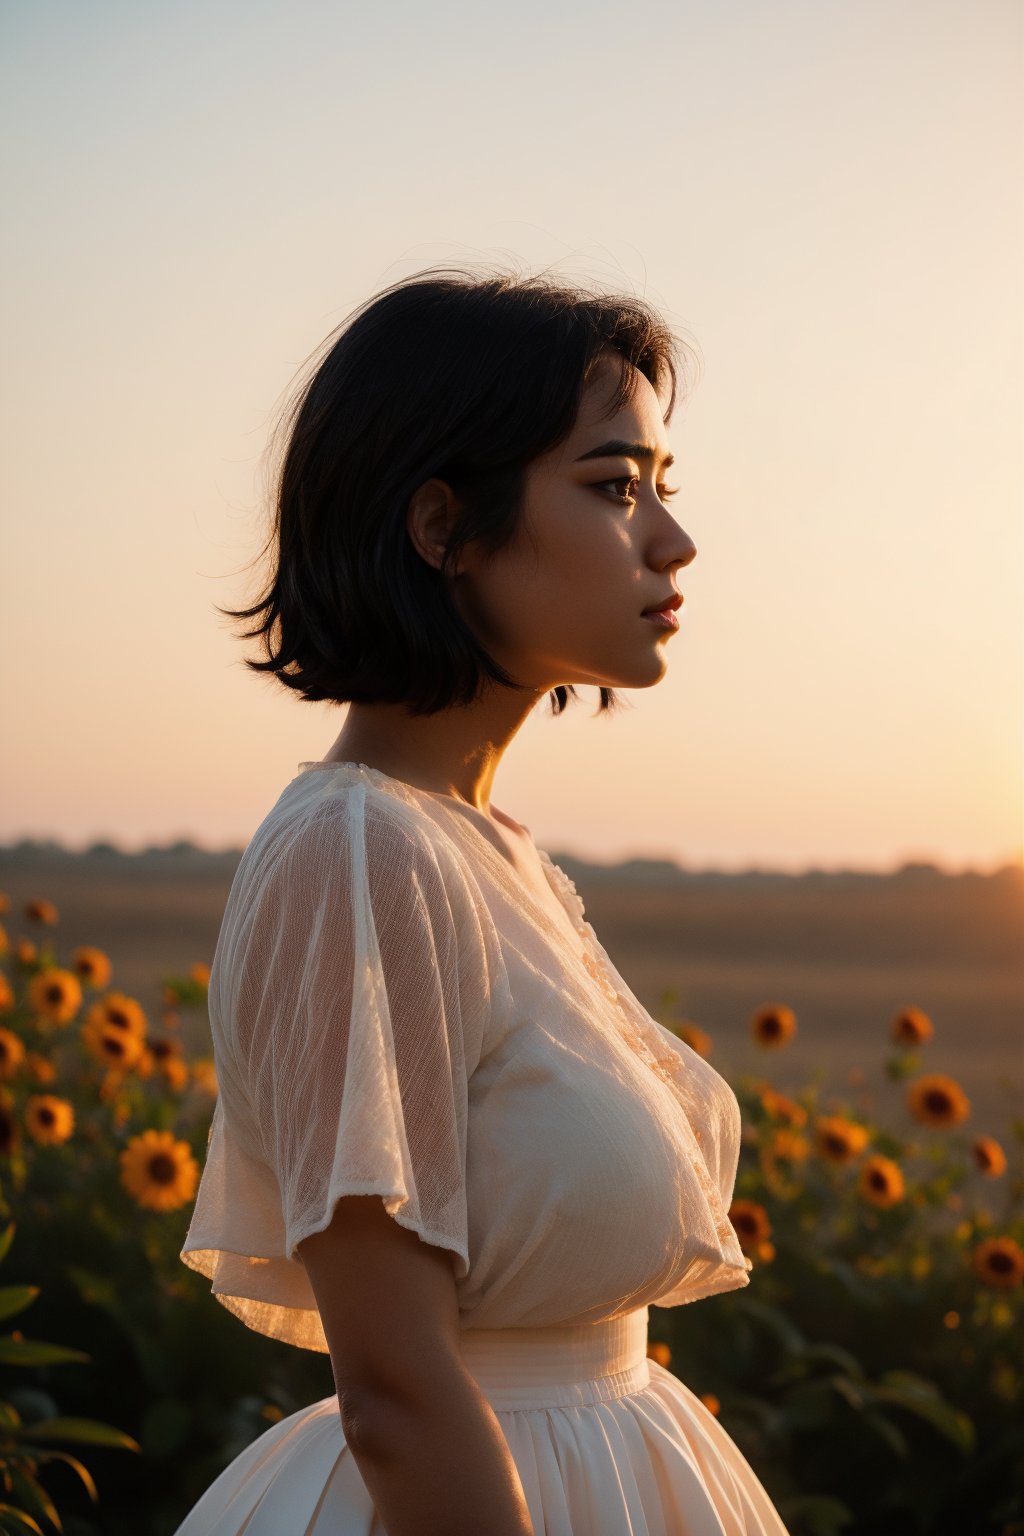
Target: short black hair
x=455, y=373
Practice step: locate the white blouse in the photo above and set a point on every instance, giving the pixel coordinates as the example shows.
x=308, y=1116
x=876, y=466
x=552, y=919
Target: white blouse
x=395, y=1012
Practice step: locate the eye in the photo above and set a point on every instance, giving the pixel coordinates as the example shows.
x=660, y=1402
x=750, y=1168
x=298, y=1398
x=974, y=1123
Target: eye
x=664, y=491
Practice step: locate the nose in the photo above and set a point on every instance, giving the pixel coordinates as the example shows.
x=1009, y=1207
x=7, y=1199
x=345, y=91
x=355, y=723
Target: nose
x=679, y=547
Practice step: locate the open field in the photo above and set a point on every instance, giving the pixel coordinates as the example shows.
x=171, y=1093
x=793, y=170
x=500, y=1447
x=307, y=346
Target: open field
x=844, y=951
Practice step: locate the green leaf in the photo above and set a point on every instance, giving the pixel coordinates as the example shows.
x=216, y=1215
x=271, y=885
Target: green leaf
x=860, y=1289
x=84, y=1432
x=818, y=1514
x=35, y=1352
x=810, y=1405
x=15, y=1298
x=904, y=1389
x=34, y=1497
x=165, y=1425
x=6, y=1238
x=831, y=1355
x=846, y=1390
x=786, y=1334
x=834, y=1355
x=76, y=1465
x=886, y=1430
x=10, y=1515
x=95, y=1289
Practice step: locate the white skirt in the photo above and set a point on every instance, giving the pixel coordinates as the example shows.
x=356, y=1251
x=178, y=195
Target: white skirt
x=607, y=1443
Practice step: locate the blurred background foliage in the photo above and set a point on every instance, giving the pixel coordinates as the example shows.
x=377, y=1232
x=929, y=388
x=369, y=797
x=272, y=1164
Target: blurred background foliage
x=871, y=1372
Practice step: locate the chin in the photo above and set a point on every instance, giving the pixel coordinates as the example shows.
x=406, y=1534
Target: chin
x=645, y=675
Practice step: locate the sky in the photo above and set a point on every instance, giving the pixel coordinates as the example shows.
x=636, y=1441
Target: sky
x=823, y=197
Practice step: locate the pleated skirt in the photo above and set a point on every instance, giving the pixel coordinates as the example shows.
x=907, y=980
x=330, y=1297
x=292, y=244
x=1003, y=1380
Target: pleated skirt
x=606, y=1441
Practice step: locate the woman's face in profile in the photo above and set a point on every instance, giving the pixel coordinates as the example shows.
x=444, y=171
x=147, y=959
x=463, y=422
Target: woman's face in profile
x=599, y=545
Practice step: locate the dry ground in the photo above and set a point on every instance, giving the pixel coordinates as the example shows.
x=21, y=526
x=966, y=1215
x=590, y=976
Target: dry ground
x=845, y=952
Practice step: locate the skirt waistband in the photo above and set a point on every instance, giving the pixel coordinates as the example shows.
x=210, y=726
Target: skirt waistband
x=559, y=1367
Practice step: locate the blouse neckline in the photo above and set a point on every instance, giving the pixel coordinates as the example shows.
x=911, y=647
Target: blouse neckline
x=589, y=954
x=559, y=882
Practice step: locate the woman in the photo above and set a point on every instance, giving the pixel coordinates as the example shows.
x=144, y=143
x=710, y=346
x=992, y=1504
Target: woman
x=450, y=1146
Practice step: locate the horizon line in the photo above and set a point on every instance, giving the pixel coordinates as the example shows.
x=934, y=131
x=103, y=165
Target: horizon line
x=181, y=845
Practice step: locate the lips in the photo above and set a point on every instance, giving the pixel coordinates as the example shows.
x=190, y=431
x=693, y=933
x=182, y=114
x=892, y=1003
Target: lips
x=675, y=601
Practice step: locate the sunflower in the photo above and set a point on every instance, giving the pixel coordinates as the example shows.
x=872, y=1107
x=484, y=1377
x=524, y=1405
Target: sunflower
x=123, y=1012
x=937, y=1100
x=5, y=902
x=711, y=1403
x=697, y=1039
x=112, y=1046
x=751, y=1223
x=92, y=965
x=164, y=1049
x=25, y=952
x=911, y=1026
x=41, y=912
x=6, y=995
x=773, y=1025
x=112, y=1083
x=40, y=1068
x=989, y=1156
x=55, y=994
x=659, y=1352
x=999, y=1261
x=204, y=1075
x=115, y=1011
x=158, y=1171
x=175, y=1073
x=12, y=1054
x=5, y=942
x=838, y=1139
x=200, y=974
x=880, y=1181
x=49, y=1120
x=788, y=1146
x=145, y=1066
x=782, y=1108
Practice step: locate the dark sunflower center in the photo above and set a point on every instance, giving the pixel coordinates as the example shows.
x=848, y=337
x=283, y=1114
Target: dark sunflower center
x=117, y=1018
x=45, y=1115
x=938, y=1102
x=1000, y=1263
x=162, y=1168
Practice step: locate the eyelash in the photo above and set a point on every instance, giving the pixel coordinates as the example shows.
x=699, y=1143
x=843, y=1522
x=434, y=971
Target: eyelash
x=664, y=492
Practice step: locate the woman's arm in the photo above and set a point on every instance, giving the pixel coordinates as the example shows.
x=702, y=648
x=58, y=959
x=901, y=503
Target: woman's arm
x=427, y=1443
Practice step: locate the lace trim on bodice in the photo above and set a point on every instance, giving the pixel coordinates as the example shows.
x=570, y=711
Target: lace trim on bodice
x=594, y=960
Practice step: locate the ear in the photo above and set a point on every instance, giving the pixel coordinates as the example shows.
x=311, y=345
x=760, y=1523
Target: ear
x=432, y=512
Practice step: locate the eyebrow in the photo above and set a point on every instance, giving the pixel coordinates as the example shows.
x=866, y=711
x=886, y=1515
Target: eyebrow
x=617, y=447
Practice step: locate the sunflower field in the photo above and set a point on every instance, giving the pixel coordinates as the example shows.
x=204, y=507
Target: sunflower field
x=872, y=1372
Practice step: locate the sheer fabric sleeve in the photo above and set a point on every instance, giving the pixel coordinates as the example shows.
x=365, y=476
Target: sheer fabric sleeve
x=359, y=978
